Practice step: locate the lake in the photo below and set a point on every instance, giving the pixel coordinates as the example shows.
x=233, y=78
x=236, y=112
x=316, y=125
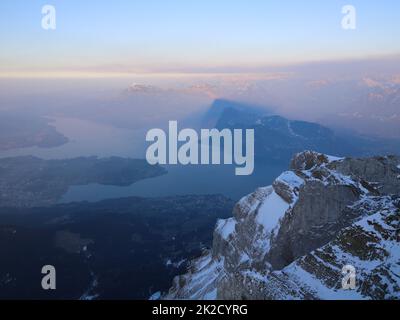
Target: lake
x=89, y=138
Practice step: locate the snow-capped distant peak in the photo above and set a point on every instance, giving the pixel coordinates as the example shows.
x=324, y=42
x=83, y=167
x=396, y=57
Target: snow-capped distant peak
x=142, y=88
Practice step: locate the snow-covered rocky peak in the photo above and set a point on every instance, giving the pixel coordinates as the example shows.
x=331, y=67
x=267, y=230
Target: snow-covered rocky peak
x=309, y=159
x=291, y=240
x=143, y=89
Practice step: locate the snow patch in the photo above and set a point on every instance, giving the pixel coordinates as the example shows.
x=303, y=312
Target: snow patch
x=271, y=211
x=212, y=295
x=291, y=179
x=244, y=257
x=177, y=264
x=333, y=158
x=319, y=289
x=290, y=129
x=155, y=296
x=226, y=227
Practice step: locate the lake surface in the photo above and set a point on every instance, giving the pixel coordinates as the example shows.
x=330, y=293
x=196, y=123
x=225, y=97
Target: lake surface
x=181, y=180
x=89, y=138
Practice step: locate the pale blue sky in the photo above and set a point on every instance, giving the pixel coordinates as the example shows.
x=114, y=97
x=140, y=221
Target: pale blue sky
x=188, y=35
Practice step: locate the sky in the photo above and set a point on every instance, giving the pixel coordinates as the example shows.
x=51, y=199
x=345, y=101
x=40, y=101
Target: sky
x=167, y=36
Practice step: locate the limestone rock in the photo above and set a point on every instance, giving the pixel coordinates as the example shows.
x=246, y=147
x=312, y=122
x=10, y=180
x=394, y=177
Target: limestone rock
x=292, y=239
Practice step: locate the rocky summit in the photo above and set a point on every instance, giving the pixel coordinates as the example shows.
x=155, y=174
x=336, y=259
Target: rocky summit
x=292, y=240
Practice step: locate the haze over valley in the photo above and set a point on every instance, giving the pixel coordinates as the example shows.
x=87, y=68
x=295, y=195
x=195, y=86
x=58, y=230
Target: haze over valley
x=316, y=84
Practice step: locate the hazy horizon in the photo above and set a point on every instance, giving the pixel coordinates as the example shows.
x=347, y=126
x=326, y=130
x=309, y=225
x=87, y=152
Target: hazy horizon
x=128, y=37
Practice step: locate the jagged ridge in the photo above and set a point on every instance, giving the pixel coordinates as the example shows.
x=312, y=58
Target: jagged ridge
x=291, y=240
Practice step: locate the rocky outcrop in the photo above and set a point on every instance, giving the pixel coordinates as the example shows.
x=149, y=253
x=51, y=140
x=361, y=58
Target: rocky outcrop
x=292, y=239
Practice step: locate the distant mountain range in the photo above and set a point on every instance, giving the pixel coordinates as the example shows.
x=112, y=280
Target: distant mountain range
x=277, y=139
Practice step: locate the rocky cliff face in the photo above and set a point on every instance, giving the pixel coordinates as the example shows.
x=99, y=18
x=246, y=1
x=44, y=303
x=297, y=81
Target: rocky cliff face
x=291, y=240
